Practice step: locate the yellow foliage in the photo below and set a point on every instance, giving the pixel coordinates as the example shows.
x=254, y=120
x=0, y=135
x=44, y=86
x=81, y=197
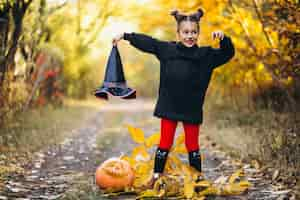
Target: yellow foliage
x=175, y=161
x=236, y=175
x=147, y=193
x=10, y=169
x=180, y=139
x=136, y=134
x=233, y=188
x=188, y=187
x=289, y=80
x=212, y=190
x=152, y=140
x=143, y=174
x=129, y=159
x=260, y=67
x=180, y=149
x=140, y=153
x=180, y=179
x=204, y=183
x=199, y=198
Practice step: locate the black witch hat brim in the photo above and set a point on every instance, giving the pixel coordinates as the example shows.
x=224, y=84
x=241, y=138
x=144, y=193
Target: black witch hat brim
x=118, y=90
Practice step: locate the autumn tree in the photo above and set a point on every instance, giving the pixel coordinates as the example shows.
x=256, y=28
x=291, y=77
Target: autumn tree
x=10, y=35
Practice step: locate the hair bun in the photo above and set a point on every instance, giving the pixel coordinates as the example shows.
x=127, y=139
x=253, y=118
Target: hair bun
x=197, y=15
x=174, y=12
x=178, y=16
x=193, y=17
x=200, y=12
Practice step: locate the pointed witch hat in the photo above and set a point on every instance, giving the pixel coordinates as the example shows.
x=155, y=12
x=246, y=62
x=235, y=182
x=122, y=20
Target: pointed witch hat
x=114, y=81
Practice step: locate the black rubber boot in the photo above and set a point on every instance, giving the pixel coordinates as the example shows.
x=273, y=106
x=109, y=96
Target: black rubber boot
x=161, y=156
x=195, y=160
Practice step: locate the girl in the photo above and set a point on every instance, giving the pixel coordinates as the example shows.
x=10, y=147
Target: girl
x=185, y=72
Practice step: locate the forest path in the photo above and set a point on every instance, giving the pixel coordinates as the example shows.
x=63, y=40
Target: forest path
x=55, y=172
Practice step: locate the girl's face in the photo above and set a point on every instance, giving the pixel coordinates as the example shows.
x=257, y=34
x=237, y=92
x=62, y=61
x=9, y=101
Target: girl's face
x=188, y=33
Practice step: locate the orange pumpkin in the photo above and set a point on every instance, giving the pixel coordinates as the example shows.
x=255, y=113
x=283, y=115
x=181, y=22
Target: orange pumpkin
x=114, y=173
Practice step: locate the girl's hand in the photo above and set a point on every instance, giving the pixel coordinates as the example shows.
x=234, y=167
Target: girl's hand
x=218, y=34
x=117, y=38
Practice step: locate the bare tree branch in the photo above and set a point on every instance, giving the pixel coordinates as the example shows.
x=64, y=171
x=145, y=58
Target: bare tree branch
x=260, y=18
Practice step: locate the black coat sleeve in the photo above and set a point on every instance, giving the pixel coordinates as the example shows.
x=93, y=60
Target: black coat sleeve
x=223, y=54
x=145, y=43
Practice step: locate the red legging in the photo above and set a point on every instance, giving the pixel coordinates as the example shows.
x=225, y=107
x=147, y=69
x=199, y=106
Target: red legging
x=168, y=128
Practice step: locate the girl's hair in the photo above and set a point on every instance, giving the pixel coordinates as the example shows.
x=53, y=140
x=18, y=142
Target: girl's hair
x=194, y=17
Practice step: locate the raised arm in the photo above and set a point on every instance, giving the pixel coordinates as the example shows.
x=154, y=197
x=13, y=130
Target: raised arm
x=145, y=43
x=223, y=54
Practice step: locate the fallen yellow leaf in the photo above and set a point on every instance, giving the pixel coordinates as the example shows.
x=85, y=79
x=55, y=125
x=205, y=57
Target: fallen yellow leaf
x=239, y=173
x=140, y=151
x=152, y=140
x=180, y=149
x=180, y=139
x=148, y=193
x=188, y=187
x=136, y=134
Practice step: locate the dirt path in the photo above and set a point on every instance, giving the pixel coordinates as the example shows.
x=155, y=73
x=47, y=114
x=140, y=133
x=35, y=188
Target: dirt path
x=56, y=172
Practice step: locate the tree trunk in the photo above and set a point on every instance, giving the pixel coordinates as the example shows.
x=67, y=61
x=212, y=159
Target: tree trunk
x=4, y=29
x=18, y=10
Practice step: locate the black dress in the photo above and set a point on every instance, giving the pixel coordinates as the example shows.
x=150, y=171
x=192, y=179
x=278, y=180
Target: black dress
x=185, y=73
